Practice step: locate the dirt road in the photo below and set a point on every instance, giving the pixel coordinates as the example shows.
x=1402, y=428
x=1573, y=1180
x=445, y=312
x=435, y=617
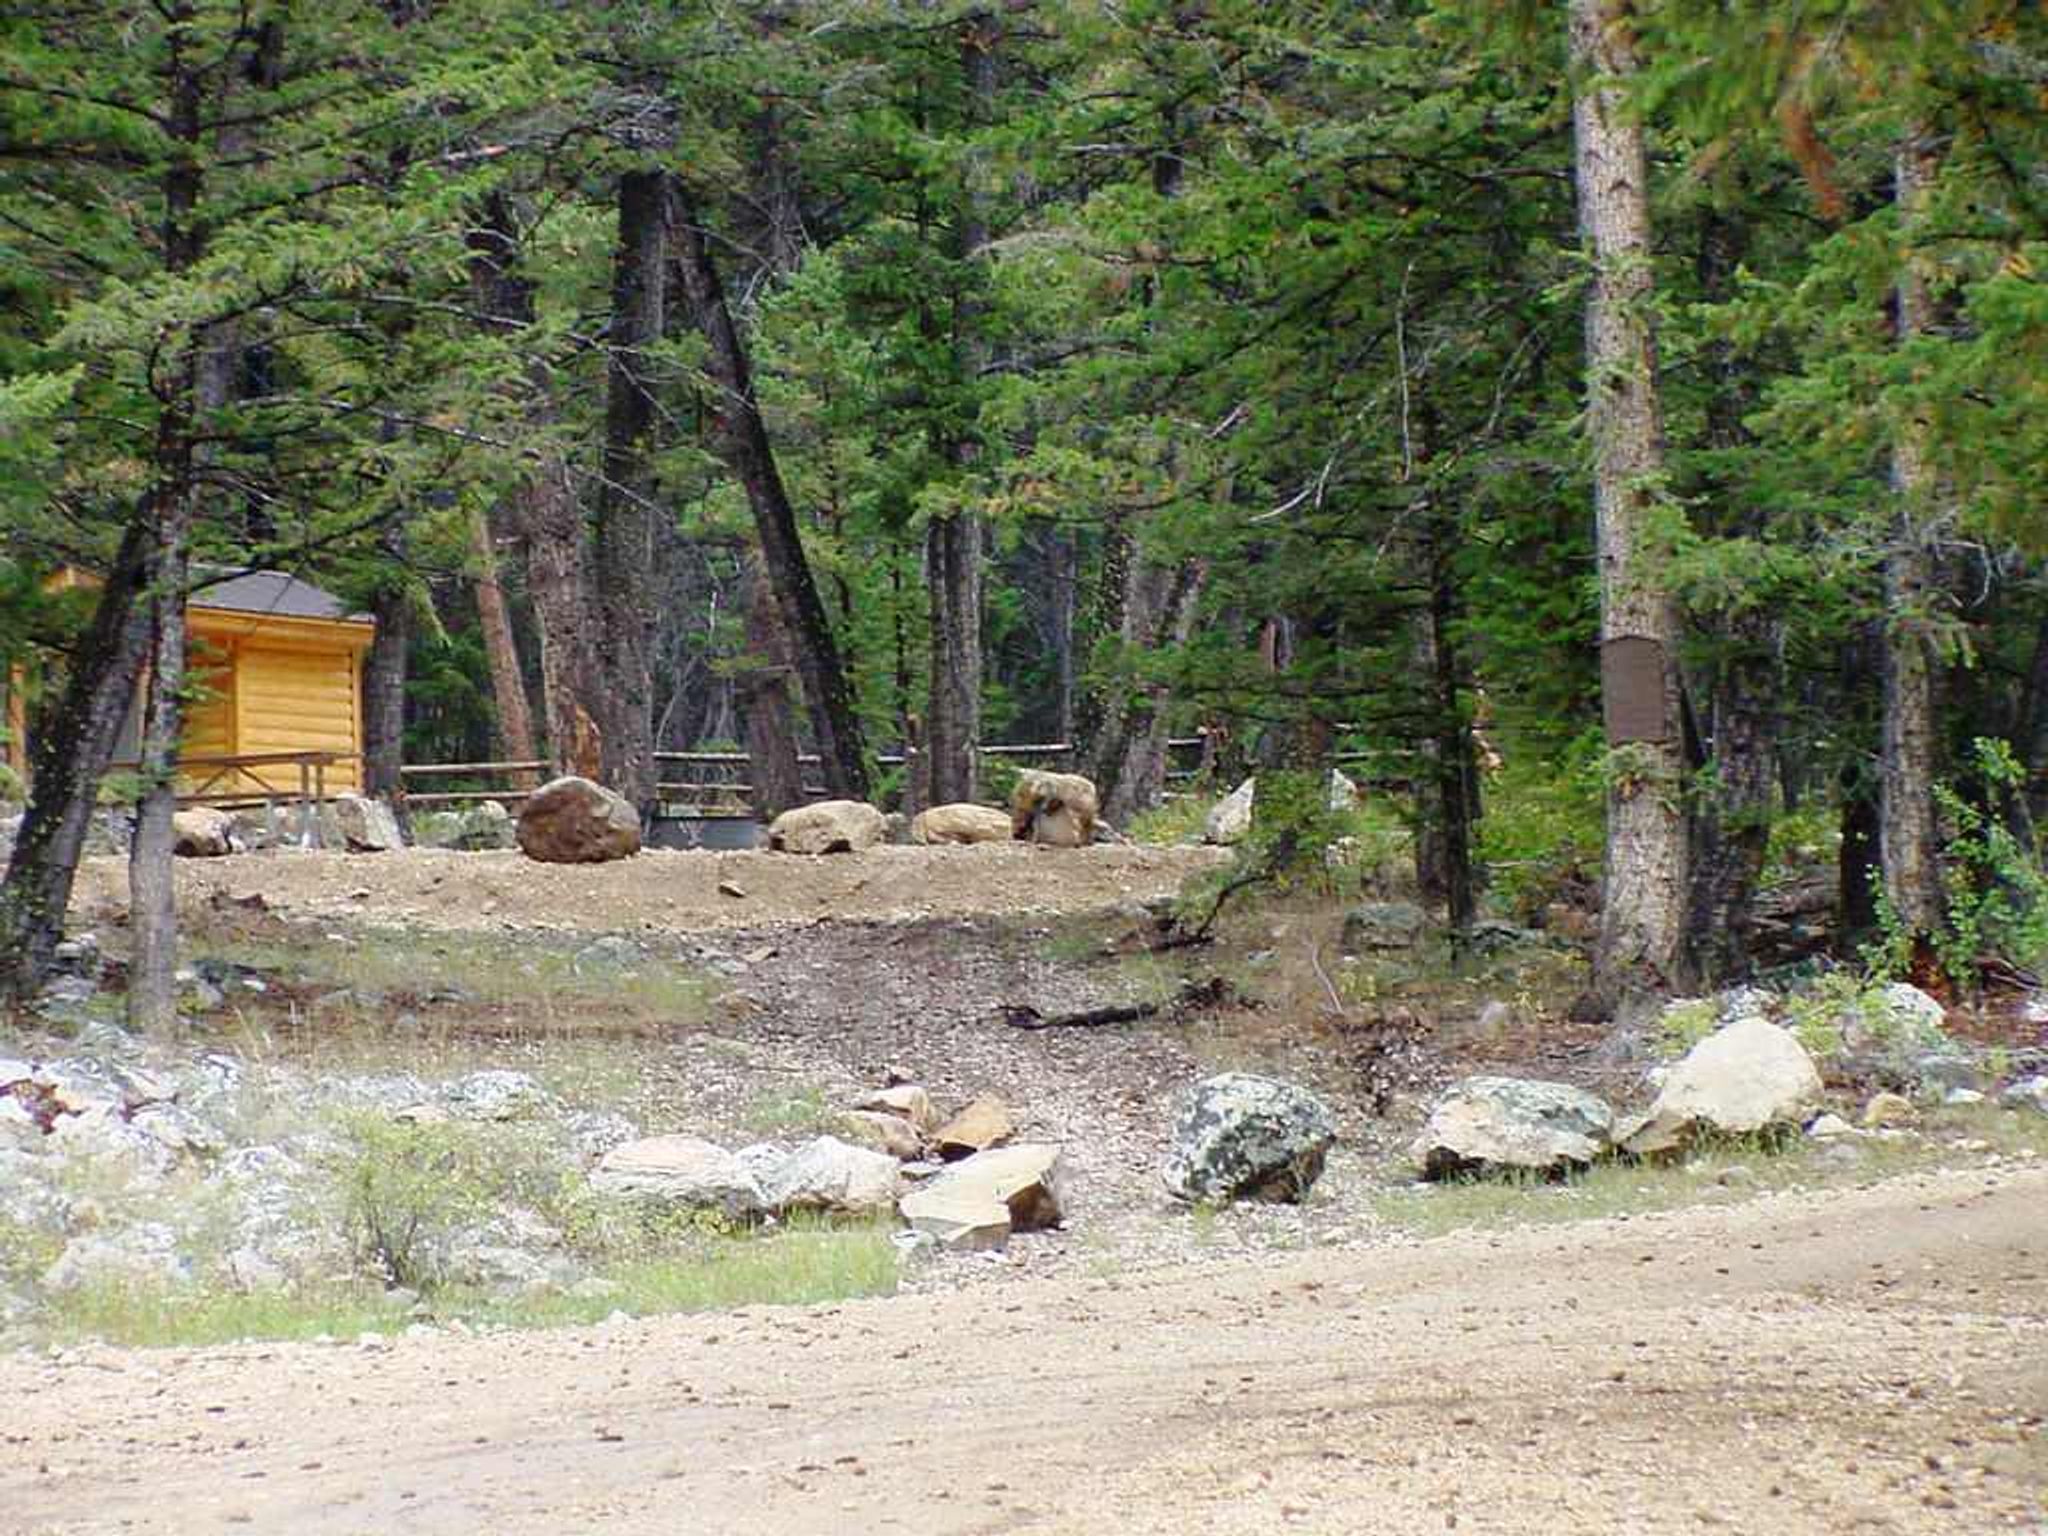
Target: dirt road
x=1867, y=1361
x=666, y=891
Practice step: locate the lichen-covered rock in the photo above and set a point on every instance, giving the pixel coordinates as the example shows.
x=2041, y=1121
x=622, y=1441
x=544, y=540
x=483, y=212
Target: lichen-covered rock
x=1513, y=1124
x=476, y=828
x=573, y=821
x=827, y=826
x=681, y=1171
x=1751, y=1076
x=145, y=1255
x=1056, y=809
x=1241, y=1136
x=960, y=824
x=495, y=1093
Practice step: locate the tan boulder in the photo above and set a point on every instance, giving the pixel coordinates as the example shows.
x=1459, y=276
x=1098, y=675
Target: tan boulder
x=573, y=821
x=978, y=1203
x=882, y=1131
x=201, y=832
x=1747, y=1077
x=1056, y=809
x=960, y=824
x=829, y=826
x=905, y=1100
x=981, y=1125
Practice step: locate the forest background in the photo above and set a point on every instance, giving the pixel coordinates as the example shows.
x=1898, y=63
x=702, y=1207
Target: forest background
x=1624, y=422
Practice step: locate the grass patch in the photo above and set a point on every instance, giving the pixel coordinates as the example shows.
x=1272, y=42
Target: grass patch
x=1179, y=819
x=789, y=1112
x=800, y=1266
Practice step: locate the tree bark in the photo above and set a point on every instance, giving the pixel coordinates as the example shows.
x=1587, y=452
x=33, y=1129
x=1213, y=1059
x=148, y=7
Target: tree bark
x=953, y=560
x=1452, y=771
x=1640, y=950
x=508, y=683
x=152, y=907
x=72, y=743
x=1128, y=758
x=546, y=515
x=384, y=679
x=624, y=545
x=1909, y=838
x=742, y=440
x=1731, y=825
x=764, y=686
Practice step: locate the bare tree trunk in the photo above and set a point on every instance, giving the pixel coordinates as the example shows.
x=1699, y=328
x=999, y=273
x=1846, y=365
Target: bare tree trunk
x=508, y=685
x=547, y=516
x=72, y=743
x=1129, y=759
x=1453, y=773
x=953, y=581
x=743, y=442
x=152, y=907
x=384, y=680
x=953, y=544
x=1642, y=921
x=1732, y=820
x=1909, y=840
x=764, y=686
x=624, y=548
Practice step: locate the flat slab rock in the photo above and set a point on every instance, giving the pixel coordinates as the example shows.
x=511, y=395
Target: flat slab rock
x=681, y=1171
x=1240, y=1136
x=977, y=1203
x=1513, y=1124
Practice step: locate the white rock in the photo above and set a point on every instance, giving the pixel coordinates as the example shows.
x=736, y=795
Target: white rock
x=826, y=1174
x=681, y=1171
x=1749, y=1077
x=827, y=826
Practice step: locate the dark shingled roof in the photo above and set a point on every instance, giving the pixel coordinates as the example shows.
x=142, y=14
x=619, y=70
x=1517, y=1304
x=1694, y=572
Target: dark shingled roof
x=269, y=592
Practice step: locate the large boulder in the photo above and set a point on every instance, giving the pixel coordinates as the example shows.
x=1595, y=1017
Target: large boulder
x=1749, y=1077
x=978, y=1203
x=364, y=825
x=1242, y=1136
x=1056, y=809
x=827, y=1174
x=960, y=824
x=1898, y=1037
x=573, y=821
x=829, y=826
x=1513, y=1124
x=201, y=832
x=681, y=1171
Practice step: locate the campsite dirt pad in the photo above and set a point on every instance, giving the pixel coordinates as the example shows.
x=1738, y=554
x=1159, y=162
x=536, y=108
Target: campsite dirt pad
x=1871, y=1361
x=660, y=890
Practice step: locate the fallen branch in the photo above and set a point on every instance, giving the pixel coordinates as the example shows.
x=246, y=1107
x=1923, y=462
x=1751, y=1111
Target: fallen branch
x=1194, y=995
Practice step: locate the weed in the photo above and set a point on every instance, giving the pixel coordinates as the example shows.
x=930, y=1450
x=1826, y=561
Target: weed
x=1178, y=819
x=789, y=1112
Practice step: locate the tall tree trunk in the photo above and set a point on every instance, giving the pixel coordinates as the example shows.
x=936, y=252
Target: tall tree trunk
x=743, y=443
x=1731, y=825
x=384, y=679
x=1640, y=951
x=73, y=741
x=764, y=687
x=508, y=684
x=152, y=905
x=952, y=724
x=624, y=549
x=2031, y=746
x=545, y=513
x=953, y=557
x=1128, y=759
x=1909, y=837
x=1452, y=771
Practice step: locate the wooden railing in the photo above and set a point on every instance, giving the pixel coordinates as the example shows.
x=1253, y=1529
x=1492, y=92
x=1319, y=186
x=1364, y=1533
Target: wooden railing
x=310, y=769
